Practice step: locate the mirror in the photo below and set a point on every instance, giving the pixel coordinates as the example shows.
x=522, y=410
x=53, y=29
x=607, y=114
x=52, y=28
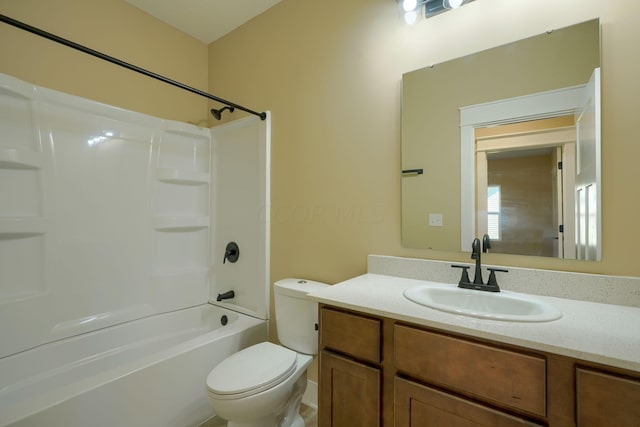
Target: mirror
x=474, y=128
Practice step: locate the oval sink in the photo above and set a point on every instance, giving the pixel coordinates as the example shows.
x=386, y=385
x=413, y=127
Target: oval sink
x=504, y=305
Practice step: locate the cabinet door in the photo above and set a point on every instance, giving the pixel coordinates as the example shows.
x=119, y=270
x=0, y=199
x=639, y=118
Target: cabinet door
x=419, y=406
x=606, y=400
x=349, y=393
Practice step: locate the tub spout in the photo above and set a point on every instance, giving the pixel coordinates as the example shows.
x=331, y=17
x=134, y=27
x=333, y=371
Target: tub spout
x=225, y=295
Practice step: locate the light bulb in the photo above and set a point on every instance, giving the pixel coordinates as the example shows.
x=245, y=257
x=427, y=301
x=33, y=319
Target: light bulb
x=453, y=4
x=409, y=5
x=411, y=17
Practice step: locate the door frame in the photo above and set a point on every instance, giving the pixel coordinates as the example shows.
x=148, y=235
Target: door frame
x=562, y=138
x=541, y=105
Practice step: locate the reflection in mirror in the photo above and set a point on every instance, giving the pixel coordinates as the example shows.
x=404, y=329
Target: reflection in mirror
x=524, y=186
x=489, y=131
x=577, y=228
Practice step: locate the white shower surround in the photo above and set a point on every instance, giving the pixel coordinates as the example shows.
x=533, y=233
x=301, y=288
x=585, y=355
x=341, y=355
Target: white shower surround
x=108, y=216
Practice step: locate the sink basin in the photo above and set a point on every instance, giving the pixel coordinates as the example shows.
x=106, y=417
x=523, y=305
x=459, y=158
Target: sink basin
x=504, y=305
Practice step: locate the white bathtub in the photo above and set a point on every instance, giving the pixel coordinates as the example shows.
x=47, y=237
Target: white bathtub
x=148, y=372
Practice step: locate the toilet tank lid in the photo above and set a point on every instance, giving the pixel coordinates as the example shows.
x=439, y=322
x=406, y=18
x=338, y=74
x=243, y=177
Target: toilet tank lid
x=296, y=287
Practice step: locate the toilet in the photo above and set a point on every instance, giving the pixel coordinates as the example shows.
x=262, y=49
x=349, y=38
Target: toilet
x=262, y=385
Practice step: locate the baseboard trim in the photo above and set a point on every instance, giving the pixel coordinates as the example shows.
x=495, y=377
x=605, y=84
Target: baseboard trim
x=310, y=396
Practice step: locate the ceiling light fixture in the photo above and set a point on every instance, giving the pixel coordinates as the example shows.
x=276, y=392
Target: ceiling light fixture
x=412, y=8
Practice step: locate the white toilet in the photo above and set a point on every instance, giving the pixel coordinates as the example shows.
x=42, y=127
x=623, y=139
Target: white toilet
x=262, y=385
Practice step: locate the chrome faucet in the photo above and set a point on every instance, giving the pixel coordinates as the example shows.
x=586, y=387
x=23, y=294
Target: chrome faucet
x=478, y=283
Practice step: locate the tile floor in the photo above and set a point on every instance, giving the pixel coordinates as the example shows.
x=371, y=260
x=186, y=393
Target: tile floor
x=308, y=413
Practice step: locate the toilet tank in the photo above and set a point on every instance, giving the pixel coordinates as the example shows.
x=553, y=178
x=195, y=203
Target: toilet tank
x=296, y=315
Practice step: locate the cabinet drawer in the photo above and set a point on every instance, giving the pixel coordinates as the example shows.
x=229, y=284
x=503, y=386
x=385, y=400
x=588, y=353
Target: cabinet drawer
x=418, y=405
x=497, y=375
x=606, y=399
x=351, y=334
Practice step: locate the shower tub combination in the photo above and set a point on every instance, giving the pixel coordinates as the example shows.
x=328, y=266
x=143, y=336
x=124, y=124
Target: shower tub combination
x=113, y=226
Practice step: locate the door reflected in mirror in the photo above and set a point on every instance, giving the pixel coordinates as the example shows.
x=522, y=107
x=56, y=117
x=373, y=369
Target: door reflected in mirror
x=489, y=131
x=524, y=187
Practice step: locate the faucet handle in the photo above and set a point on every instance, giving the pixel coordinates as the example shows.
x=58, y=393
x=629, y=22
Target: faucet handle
x=465, y=274
x=475, y=249
x=486, y=243
x=492, y=277
x=231, y=252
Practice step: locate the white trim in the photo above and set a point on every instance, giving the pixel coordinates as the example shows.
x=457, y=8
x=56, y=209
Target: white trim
x=467, y=187
x=539, y=105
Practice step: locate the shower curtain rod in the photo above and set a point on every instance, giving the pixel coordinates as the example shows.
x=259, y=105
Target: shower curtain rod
x=124, y=64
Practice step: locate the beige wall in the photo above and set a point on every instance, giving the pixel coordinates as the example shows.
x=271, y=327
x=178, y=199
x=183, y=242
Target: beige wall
x=330, y=72
x=117, y=29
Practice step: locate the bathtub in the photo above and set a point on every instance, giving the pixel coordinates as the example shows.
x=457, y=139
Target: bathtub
x=148, y=372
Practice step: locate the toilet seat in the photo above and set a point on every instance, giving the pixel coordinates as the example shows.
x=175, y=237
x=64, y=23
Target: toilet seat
x=252, y=370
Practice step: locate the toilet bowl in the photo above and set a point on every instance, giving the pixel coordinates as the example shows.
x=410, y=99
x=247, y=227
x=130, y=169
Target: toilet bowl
x=262, y=385
x=253, y=387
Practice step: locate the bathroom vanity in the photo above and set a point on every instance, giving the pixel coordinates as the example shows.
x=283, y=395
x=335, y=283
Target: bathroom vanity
x=386, y=361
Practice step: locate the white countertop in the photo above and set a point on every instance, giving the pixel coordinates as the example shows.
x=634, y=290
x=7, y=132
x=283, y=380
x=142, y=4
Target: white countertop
x=596, y=332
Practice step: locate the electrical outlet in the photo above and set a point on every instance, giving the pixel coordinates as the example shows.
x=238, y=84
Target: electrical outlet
x=435, y=220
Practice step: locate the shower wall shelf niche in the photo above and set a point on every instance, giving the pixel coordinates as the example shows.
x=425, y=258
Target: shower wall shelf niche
x=184, y=223
x=181, y=214
x=11, y=158
x=23, y=220
x=182, y=177
x=22, y=226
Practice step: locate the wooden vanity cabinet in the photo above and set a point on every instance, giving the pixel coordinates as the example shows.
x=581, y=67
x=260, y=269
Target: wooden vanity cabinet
x=350, y=373
x=377, y=371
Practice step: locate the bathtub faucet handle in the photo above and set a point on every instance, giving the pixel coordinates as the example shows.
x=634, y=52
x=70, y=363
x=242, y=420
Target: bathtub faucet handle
x=231, y=252
x=225, y=295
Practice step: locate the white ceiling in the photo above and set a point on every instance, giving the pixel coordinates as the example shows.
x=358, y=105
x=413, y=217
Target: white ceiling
x=206, y=20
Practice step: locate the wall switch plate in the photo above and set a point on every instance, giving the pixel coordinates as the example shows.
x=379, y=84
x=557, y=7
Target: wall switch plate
x=435, y=220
